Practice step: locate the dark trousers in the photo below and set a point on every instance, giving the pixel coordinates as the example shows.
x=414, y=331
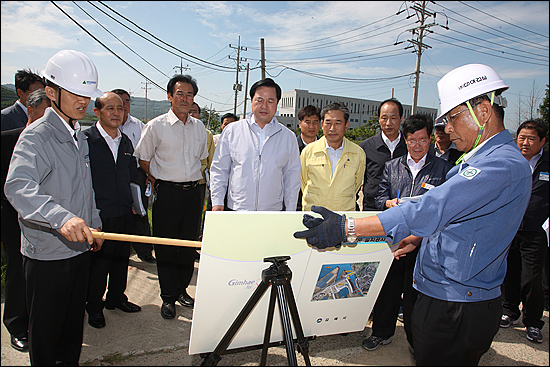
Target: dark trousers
x=16, y=318
x=523, y=281
x=141, y=225
x=56, y=294
x=109, y=265
x=453, y=333
x=176, y=214
x=385, y=311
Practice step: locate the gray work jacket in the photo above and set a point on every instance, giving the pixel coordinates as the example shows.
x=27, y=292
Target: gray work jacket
x=49, y=181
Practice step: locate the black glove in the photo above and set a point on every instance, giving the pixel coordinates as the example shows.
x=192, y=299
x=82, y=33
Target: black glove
x=326, y=232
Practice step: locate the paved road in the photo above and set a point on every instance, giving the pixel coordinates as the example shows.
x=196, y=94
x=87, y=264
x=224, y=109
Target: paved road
x=146, y=339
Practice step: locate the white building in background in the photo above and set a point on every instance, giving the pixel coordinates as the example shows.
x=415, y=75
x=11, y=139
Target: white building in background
x=360, y=109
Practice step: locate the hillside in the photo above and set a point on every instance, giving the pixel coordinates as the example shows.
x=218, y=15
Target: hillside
x=137, y=106
x=8, y=97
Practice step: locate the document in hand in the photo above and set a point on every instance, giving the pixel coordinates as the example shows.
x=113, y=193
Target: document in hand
x=410, y=198
x=136, y=195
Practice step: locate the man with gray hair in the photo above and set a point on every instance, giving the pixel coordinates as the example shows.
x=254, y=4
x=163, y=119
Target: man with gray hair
x=37, y=103
x=332, y=167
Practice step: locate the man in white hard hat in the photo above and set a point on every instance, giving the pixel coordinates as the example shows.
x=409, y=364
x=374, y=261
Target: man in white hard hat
x=49, y=183
x=466, y=224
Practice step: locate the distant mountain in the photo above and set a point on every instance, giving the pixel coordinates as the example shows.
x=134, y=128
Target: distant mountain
x=8, y=96
x=137, y=106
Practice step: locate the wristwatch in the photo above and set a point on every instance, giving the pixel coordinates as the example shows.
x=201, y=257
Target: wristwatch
x=352, y=238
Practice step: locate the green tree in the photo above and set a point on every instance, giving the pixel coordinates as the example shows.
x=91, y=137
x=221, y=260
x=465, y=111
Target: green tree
x=369, y=129
x=544, y=109
x=211, y=119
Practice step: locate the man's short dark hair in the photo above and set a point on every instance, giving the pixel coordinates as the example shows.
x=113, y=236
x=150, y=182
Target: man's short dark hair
x=535, y=124
x=392, y=100
x=184, y=79
x=308, y=111
x=229, y=114
x=417, y=122
x=198, y=107
x=267, y=82
x=120, y=92
x=24, y=78
x=335, y=106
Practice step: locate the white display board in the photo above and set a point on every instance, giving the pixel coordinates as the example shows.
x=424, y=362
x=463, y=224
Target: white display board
x=335, y=289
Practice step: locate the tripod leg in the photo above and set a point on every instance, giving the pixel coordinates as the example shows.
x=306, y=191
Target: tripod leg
x=268, y=325
x=287, y=328
x=303, y=344
x=213, y=358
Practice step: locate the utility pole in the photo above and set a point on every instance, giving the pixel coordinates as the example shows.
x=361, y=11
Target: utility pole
x=420, y=8
x=146, y=88
x=246, y=89
x=181, y=67
x=262, y=48
x=237, y=87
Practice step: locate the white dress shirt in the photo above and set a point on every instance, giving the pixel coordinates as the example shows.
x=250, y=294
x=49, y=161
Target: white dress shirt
x=112, y=143
x=391, y=144
x=334, y=155
x=132, y=128
x=174, y=149
x=415, y=167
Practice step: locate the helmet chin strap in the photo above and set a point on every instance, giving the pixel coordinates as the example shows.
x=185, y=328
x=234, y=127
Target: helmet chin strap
x=71, y=120
x=481, y=127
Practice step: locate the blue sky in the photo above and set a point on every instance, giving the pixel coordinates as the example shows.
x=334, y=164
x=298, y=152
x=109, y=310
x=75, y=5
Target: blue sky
x=348, y=45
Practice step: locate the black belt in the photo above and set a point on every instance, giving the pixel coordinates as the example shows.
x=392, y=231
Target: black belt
x=182, y=185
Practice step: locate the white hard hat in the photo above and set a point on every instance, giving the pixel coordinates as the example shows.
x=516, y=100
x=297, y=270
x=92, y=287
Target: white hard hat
x=73, y=71
x=466, y=82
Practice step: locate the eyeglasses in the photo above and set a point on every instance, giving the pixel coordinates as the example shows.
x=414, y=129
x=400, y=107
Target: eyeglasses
x=422, y=142
x=446, y=119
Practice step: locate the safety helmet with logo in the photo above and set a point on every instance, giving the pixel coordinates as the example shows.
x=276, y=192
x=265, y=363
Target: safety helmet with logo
x=74, y=72
x=466, y=82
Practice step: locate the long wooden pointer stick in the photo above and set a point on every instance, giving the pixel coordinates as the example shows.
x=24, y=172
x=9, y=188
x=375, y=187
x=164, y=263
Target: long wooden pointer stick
x=145, y=239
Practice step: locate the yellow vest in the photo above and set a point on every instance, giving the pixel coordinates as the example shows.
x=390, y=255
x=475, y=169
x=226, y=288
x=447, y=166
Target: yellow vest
x=320, y=187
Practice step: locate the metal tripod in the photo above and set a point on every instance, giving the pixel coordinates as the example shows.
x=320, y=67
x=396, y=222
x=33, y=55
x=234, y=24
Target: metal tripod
x=278, y=275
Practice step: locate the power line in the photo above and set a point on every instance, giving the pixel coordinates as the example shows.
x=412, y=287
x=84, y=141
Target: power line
x=502, y=20
x=501, y=45
x=167, y=44
x=489, y=48
x=107, y=48
x=498, y=30
x=275, y=49
x=486, y=53
x=119, y=40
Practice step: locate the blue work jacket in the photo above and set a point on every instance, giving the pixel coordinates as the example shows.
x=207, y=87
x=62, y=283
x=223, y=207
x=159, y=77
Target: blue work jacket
x=467, y=223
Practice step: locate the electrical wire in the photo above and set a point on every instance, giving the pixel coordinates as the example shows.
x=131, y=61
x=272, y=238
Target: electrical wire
x=486, y=53
x=498, y=30
x=223, y=68
x=105, y=46
x=502, y=20
x=119, y=40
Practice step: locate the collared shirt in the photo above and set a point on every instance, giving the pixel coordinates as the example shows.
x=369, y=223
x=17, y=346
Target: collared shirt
x=23, y=107
x=254, y=179
x=260, y=133
x=534, y=160
x=334, y=155
x=112, y=143
x=415, y=167
x=478, y=210
x=69, y=128
x=174, y=149
x=391, y=144
x=472, y=152
x=440, y=154
x=132, y=127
